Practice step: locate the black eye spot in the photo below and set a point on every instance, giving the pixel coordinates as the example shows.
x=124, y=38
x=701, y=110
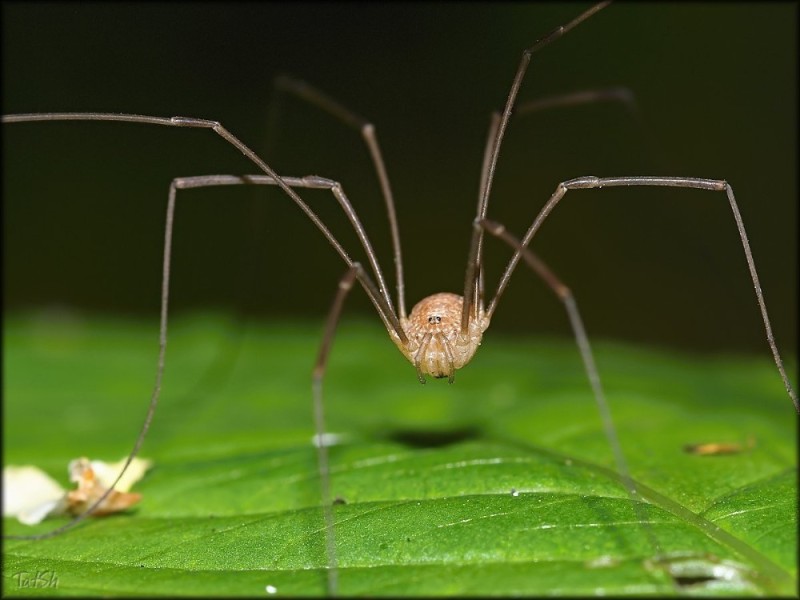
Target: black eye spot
x=434, y=319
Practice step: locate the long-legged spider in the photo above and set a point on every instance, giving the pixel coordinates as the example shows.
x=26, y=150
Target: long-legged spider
x=445, y=352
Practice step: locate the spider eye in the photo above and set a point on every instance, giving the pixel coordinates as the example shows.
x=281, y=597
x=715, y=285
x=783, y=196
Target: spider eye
x=434, y=319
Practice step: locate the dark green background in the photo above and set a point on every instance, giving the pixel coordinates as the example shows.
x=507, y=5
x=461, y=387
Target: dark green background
x=716, y=85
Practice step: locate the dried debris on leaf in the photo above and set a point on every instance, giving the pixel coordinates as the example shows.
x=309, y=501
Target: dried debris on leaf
x=719, y=448
x=31, y=495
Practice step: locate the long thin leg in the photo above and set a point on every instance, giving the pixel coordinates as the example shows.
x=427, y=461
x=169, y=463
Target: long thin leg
x=471, y=274
x=677, y=182
x=618, y=95
x=318, y=375
x=615, y=94
x=387, y=316
x=239, y=145
x=477, y=240
x=564, y=294
x=151, y=409
x=385, y=311
x=313, y=96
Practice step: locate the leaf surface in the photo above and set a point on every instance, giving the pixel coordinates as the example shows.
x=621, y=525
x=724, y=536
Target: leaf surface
x=500, y=484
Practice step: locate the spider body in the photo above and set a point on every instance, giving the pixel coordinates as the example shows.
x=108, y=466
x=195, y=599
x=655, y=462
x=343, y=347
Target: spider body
x=436, y=345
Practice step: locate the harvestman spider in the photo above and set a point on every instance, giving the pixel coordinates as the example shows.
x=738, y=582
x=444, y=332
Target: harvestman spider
x=442, y=332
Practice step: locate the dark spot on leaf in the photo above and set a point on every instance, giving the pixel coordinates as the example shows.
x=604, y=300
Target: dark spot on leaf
x=434, y=438
x=339, y=500
x=687, y=581
x=702, y=572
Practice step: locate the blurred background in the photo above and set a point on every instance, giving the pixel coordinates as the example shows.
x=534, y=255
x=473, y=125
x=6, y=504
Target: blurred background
x=716, y=87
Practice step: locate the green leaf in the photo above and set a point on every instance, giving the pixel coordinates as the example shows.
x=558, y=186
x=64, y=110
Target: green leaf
x=502, y=483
